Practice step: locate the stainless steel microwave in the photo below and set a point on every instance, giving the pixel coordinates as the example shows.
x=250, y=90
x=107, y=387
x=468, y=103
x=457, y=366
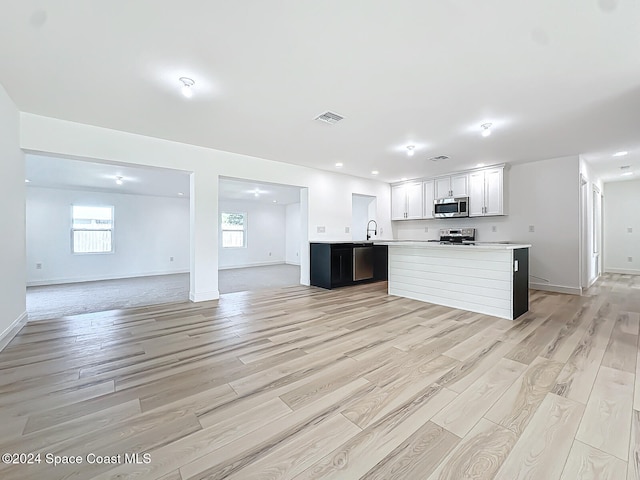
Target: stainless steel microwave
x=451, y=207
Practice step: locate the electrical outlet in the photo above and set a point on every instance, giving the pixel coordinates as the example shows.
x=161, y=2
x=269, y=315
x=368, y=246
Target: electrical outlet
x=426, y=229
x=269, y=253
x=320, y=229
x=380, y=230
x=629, y=259
x=629, y=230
x=171, y=259
x=346, y=229
x=296, y=254
x=494, y=228
x=38, y=266
x=532, y=228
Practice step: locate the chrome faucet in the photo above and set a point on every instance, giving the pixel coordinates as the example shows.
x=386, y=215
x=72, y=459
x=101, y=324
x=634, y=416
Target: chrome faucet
x=375, y=230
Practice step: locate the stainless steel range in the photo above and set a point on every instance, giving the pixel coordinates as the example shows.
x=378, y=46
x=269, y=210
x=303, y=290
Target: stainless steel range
x=456, y=236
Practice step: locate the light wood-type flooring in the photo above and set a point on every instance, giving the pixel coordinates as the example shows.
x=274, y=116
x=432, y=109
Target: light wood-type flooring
x=306, y=383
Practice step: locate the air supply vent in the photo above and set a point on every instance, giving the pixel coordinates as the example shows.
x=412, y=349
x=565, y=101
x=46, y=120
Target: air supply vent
x=329, y=117
x=438, y=158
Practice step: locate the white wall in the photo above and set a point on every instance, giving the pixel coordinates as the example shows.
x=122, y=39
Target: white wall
x=543, y=194
x=147, y=232
x=621, y=213
x=328, y=194
x=292, y=236
x=362, y=210
x=12, y=239
x=265, y=235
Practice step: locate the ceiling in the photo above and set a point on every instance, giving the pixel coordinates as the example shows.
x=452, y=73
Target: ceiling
x=554, y=78
x=234, y=189
x=56, y=172
x=65, y=173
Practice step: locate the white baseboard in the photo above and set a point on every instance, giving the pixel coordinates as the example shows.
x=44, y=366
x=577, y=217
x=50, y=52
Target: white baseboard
x=256, y=264
x=297, y=264
x=556, y=288
x=624, y=271
x=204, y=296
x=8, y=333
x=95, y=278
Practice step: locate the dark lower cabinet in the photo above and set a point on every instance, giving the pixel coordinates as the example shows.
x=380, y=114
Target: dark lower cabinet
x=341, y=266
x=332, y=264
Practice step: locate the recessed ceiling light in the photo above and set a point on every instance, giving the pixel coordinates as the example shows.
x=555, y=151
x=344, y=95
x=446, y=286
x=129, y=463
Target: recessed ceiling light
x=480, y=165
x=339, y=165
x=187, y=83
x=374, y=172
x=26, y=180
x=626, y=174
x=180, y=194
x=119, y=181
x=486, y=129
x=620, y=154
x=403, y=179
x=275, y=201
x=411, y=149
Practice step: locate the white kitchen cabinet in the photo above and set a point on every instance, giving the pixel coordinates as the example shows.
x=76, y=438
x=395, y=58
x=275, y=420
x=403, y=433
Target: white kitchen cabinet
x=486, y=189
x=406, y=201
x=452, y=186
x=428, y=191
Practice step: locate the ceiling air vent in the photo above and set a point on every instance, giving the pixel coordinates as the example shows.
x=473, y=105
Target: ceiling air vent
x=438, y=158
x=329, y=117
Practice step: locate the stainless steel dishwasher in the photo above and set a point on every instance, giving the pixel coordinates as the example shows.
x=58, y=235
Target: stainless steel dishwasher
x=362, y=262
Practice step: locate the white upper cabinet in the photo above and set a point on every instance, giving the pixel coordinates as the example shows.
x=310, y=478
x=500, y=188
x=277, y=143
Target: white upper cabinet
x=414, y=200
x=476, y=194
x=398, y=202
x=443, y=187
x=452, y=186
x=428, y=188
x=486, y=189
x=406, y=201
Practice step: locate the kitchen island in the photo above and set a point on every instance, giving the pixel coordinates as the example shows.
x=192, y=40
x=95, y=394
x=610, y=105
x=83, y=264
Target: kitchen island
x=486, y=278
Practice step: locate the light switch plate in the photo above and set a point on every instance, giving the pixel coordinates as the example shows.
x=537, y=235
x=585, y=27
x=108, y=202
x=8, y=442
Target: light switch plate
x=320, y=229
x=346, y=229
x=629, y=230
x=532, y=228
x=494, y=229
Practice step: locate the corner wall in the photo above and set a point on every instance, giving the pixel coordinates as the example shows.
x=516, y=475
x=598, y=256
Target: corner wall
x=12, y=212
x=148, y=231
x=621, y=213
x=265, y=235
x=542, y=194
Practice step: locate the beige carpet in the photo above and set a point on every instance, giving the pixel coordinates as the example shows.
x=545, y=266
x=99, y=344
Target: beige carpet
x=53, y=301
x=257, y=278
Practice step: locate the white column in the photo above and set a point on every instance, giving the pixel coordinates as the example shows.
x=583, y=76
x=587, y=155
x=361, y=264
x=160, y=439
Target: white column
x=203, y=283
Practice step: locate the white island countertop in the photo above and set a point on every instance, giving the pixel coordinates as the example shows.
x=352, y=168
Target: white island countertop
x=465, y=246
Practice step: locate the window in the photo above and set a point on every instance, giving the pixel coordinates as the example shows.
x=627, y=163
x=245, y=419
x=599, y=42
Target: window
x=234, y=230
x=92, y=229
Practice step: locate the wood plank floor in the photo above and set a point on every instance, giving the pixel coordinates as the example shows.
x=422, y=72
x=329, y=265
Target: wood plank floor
x=305, y=383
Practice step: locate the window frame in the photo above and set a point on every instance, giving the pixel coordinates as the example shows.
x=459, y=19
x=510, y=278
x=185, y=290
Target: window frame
x=245, y=235
x=111, y=230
